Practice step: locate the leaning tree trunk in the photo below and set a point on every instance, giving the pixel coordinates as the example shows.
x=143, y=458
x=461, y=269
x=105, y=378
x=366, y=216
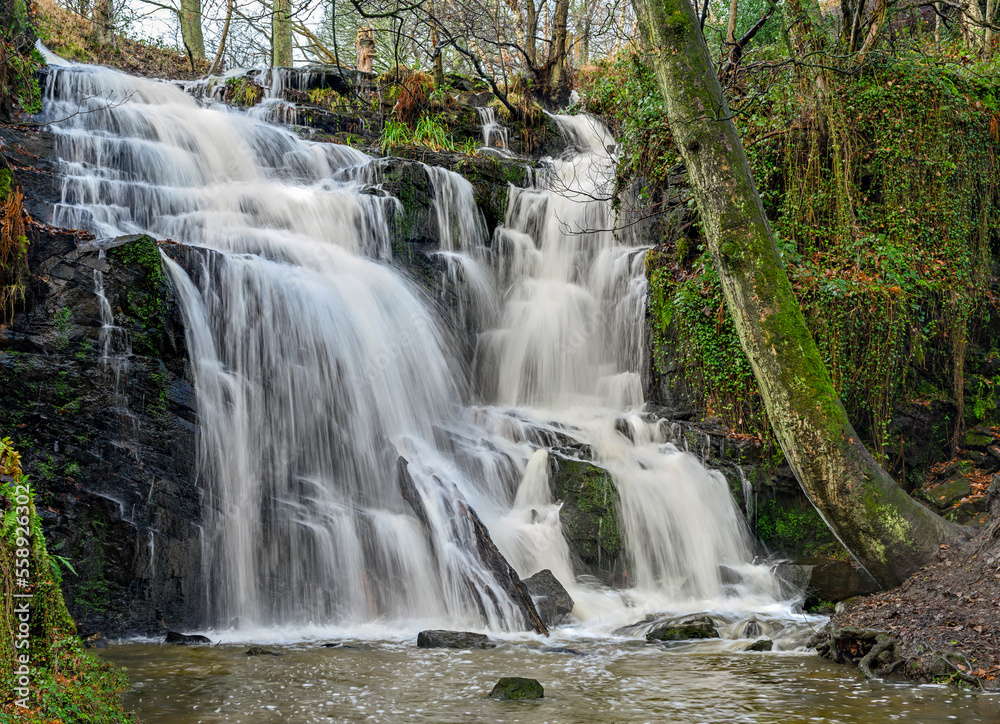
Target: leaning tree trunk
x=190, y=17
x=281, y=34
x=888, y=532
x=216, y=63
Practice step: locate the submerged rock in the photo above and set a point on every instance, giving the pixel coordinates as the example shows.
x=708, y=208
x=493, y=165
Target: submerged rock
x=439, y=639
x=517, y=687
x=684, y=629
x=760, y=645
x=258, y=651
x=186, y=639
x=564, y=650
x=552, y=600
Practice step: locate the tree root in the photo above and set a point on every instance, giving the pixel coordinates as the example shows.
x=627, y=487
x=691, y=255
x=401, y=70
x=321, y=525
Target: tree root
x=877, y=655
x=883, y=643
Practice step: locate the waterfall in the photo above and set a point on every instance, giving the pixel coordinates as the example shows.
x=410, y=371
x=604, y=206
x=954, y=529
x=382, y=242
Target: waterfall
x=496, y=137
x=343, y=443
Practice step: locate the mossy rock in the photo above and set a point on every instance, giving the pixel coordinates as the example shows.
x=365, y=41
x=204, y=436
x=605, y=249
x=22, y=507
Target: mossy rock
x=696, y=628
x=946, y=494
x=517, y=687
x=145, y=301
x=590, y=517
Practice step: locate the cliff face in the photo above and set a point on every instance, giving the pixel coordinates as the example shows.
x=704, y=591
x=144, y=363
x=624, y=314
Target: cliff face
x=108, y=440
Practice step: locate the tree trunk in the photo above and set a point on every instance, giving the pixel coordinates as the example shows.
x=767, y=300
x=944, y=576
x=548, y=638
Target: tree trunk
x=888, y=532
x=557, y=57
x=731, y=27
x=103, y=22
x=281, y=34
x=991, y=16
x=530, y=32
x=972, y=23
x=216, y=63
x=190, y=17
x=436, y=42
x=937, y=25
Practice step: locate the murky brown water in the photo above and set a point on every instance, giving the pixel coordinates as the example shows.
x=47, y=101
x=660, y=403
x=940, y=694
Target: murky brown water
x=613, y=682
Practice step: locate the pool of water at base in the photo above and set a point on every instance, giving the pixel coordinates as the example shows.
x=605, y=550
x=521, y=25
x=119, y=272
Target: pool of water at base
x=605, y=682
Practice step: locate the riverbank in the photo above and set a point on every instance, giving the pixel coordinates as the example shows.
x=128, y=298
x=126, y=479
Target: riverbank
x=941, y=626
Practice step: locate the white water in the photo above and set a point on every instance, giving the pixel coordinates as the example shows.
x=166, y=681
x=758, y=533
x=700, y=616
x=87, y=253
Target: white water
x=318, y=364
x=496, y=136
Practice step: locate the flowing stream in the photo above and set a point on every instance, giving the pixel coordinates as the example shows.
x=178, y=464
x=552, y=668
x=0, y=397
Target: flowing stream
x=327, y=382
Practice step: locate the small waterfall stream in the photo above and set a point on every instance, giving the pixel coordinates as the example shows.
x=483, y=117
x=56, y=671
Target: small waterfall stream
x=341, y=436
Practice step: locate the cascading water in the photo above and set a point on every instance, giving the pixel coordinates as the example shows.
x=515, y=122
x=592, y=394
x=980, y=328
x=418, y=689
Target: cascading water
x=318, y=366
x=496, y=137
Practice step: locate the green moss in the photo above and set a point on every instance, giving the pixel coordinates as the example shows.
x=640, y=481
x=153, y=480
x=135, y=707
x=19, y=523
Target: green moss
x=795, y=529
x=590, y=490
x=145, y=303
x=884, y=234
x=67, y=684
x=6, y=183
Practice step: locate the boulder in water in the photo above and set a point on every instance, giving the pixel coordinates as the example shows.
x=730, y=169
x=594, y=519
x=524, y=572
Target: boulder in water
x=760, y=645
x=517, y=687
x=439, y=639
x=186, y=639
x=258, y=651
x=684, y=629
x=552, y=600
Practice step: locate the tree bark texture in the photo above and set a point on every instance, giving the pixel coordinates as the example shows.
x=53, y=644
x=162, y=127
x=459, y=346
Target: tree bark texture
x=557, y=58
x=889, y=533
x=190, y=18
x=281, y=34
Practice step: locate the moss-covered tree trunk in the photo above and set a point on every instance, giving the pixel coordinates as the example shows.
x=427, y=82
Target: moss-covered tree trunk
x=281, y=34
x=190, y=19
x=889, y=533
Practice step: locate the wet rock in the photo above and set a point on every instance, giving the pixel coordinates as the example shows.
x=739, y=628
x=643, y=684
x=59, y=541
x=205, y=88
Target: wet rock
x=94, y=641
x=517, y=687
x=825, y=579
x=552, y=601
x=174, y=637
x=684, y=629
x=258, y=651
x=110, y=446
x=439, y=639
x=760, y=645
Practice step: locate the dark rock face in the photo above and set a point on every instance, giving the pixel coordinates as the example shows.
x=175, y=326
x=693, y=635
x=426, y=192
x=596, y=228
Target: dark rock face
x=439, y=639
x=517, y=687
x=109, y=445
x=684, y=629
x=826, y=579
x=552, y=600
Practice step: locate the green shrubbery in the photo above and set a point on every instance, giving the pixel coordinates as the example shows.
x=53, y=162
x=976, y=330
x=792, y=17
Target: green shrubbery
x=885, y=217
